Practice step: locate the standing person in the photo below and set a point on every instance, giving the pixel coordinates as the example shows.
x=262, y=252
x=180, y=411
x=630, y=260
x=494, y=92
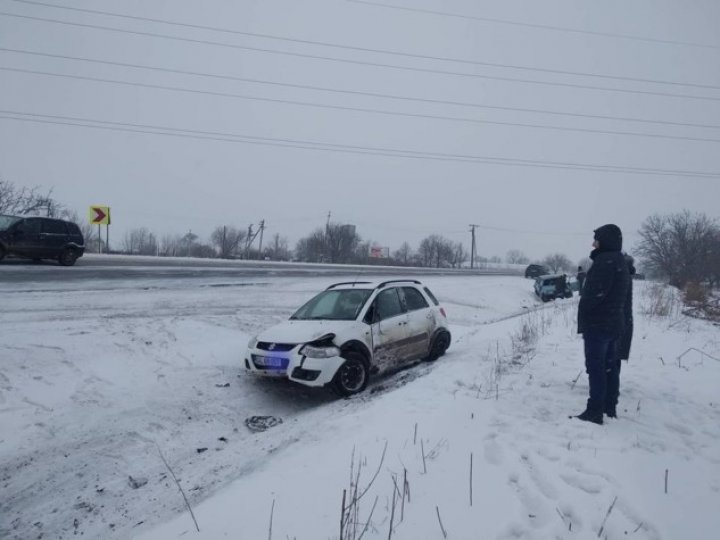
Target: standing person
x=623, y=349
x=580, y=279
x=601, y=316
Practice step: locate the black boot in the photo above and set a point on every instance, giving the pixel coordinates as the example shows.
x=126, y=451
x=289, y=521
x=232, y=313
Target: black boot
x=611, y=411
x=589, y=416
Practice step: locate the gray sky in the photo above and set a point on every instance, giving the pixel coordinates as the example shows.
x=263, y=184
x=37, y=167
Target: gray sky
x=173, y=184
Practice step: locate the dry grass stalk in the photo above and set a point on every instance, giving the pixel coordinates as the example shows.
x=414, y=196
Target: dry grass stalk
x=187, y=503
x=441, y=523
x=602, y=527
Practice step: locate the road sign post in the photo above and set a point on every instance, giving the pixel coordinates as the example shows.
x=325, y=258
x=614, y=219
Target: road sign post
x=100, y=215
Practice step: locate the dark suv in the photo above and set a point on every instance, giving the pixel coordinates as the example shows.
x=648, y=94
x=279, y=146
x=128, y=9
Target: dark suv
x=536, y=270
x=40, y=238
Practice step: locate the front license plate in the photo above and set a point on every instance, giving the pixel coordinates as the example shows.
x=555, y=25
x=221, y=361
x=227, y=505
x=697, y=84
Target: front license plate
x=270, y=361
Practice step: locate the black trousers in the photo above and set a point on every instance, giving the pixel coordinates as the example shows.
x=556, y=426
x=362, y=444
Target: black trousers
x=603, y=368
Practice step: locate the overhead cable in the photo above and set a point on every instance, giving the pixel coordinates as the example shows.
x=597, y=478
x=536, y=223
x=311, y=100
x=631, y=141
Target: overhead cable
x=356, y=92
x=334, y=147
x=358, y=109
x=365, y=49
x=362, y=62
x=568, y=29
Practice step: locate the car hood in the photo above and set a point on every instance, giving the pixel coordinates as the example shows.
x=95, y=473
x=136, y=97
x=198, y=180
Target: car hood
x=295, y=331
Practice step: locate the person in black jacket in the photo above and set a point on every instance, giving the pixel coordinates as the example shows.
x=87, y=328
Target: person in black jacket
x=601, y=317
x=623, y=349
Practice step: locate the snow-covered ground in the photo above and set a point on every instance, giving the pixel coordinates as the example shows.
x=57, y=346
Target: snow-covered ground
x=97, y=386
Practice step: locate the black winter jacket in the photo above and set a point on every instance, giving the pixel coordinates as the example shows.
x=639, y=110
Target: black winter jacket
x=604, y=294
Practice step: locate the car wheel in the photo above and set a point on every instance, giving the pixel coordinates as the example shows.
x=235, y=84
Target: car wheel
x=438, y=347
x=2, y=253
x=545, y=298
x=352, y=377
x=67, y=257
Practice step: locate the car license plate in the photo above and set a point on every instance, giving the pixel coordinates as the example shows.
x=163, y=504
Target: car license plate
x=270, y=361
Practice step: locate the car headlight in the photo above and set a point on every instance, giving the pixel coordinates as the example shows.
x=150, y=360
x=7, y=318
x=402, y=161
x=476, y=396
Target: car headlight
x=252, y=343
x=312, y=351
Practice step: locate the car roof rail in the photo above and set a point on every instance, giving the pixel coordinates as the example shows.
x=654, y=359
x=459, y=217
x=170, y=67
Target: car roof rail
x=348, y=283
x=381, y=285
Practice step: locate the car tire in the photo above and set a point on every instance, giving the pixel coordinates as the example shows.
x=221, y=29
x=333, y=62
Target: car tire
x=68, y=257
x=352, y=376
x=439, y=345
x=545, y=298
x=2, y=253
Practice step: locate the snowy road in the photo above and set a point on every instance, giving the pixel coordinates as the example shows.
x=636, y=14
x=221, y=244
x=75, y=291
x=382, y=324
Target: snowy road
x=96, y=379
x=121, y=267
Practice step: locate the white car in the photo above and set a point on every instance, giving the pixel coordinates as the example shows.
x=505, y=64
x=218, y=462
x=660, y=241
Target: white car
x=352, y=330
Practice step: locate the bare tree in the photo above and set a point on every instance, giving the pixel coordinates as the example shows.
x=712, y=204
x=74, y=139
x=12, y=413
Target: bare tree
x=312, y=247
x=169, y=245
x=681, y=247
x=436, y=250
x=557, y=262
x=404, y=254
x=459, y=255
x=515, y=256
x=341, y=242
x=140, y=242
x=27, y=201
x=278, y=248
x=227, y=240
x=335, y=244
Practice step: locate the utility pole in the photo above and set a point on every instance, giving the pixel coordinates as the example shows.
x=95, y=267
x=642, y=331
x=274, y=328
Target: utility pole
x=472, y=245
x=327, y=238
x=248, y=243
x=262, y=230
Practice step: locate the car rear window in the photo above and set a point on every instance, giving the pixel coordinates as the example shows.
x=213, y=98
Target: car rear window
x=73, y=229
x=414, y=299
x=431, y=295
x=53, y=226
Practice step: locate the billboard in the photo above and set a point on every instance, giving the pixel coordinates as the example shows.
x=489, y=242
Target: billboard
x=377, y=252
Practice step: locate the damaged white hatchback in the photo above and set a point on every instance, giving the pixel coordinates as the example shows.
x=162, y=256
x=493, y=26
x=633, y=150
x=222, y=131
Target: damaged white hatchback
x=350, y=331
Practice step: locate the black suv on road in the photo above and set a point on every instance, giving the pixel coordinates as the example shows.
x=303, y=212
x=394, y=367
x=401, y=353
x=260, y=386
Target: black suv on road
x=40, y=238
x=536, y=270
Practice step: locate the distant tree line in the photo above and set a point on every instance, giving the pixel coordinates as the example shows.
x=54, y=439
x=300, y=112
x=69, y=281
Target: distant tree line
x=683, y=247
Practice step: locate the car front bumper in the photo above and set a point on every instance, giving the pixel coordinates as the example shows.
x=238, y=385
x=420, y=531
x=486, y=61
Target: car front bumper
x=292, y=365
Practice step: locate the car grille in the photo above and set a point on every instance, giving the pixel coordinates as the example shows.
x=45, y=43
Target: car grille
x=276, y=347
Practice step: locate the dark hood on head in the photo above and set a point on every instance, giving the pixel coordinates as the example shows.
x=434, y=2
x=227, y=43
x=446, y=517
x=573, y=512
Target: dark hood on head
x=610, y=237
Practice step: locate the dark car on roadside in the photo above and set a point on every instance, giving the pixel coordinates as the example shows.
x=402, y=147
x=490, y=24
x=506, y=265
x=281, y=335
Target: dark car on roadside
x=536, y=270
x=39, y=238
x=552, y=287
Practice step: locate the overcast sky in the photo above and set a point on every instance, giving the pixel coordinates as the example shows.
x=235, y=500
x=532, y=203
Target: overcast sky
x=172, y=184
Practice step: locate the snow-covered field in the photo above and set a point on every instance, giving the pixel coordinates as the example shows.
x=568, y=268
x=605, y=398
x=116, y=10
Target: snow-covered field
x=98, y=385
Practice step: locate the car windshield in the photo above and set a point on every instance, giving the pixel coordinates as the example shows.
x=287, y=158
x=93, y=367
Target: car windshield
x=6, y=221
x=334, y=305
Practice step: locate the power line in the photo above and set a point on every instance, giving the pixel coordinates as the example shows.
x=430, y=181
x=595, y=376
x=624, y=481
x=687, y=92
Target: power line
x=332, y=147
x=358, y=109
x=364, y=49
x=539, y=26
x=358, y=92
x=360, y=62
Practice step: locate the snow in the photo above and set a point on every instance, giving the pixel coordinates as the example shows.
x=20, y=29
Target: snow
x=96, y=384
